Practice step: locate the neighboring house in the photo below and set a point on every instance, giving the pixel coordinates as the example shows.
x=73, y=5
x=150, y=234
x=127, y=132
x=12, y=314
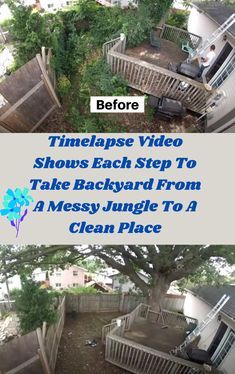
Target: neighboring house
x=205, y=17
x=218, y=338
x=49, y=5
x=39, y=275
x=72, y=276
x=123, y=283
x=121, y=3
x=99, y=278
x=53, y=5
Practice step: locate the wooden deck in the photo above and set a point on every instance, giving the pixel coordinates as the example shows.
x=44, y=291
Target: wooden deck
x=153, y=79
x=168, y=53
x=154, y=335
x=127, y=343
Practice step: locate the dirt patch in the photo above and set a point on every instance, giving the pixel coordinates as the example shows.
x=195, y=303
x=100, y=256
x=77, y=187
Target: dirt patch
x=134, y=122
x=131, y=123
x=74, y=356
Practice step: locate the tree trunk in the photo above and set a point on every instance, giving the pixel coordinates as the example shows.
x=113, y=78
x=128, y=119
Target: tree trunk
x=157, y=292
x=8, y=293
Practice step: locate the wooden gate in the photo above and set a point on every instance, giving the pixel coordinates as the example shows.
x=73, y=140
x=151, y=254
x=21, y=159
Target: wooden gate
x=27, y=97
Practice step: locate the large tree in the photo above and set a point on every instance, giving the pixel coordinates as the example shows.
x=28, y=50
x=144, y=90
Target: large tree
x=162, y=264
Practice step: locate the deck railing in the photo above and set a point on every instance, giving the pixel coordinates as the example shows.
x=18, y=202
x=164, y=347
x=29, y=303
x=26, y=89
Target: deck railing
x=155, y=80
x=177, y=319
x=179, y=36
x=137, y=358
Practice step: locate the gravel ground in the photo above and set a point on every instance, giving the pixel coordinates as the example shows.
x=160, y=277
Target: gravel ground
x=74, y=357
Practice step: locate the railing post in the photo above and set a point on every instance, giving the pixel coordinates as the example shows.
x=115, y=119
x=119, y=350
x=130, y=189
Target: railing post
x=162, y=32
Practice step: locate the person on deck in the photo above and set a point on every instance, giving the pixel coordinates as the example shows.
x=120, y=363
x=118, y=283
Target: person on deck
x=206, y=61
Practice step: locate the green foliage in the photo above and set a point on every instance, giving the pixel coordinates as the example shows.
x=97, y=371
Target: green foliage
x=34, y=305
x=81, y=290
x=29, y=30
x=178, y=18
x=14, y=292
x=150, y=113
x=92, y=265
x=97, y=79
x=91, y=123
x=76, y=37
x=63, y=86
x=209, y=273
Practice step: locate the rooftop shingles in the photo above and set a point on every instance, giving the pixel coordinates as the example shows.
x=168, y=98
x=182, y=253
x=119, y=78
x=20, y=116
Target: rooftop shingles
x=212, y=295
x=217, y=11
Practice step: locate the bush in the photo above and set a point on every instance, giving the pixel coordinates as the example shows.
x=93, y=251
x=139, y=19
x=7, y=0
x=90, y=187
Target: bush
x=81, y=290
x=34, y=306
x=63, y=86
x=178, y=18
x=98, y=80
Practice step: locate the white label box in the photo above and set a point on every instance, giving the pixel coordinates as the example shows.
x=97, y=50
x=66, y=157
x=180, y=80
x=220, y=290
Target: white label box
x=117, y=104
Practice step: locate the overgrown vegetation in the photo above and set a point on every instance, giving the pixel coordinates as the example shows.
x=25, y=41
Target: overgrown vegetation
x=80, y=290
x=34, y=305
x=178, y=18
x=76, y=37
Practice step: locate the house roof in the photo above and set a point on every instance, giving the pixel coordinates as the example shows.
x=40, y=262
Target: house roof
x=212, y=294
x=101, y=286
x=217, y=11
x=120, y=274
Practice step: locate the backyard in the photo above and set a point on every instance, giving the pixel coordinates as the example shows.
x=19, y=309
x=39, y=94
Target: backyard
x=76, y=37
x=74, y=355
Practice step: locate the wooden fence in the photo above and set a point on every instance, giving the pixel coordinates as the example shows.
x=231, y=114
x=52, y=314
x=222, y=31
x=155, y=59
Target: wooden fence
x=6, y=306
x=179, y=36
x=27, y=96
x=36, y=352
x=155, y=80
x=51, y=338
x=84, y=303
x=137, y=358
x=21, y=355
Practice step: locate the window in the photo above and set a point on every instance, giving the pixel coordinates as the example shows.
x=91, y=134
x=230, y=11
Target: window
x=75, y=284
x=224, y=348
x=75, y=273
x=225, y=72
x=58, y=284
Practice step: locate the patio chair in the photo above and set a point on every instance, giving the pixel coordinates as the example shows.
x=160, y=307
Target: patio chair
x=186, y=48
x=154, y=40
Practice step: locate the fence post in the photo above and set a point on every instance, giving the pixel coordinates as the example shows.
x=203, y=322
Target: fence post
x=121, y=304
x=42, y=353
x=44, y=330
x=47, y=81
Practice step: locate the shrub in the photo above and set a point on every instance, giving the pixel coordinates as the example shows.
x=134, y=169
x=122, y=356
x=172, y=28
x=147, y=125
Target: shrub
x=34, y=305
x=97, y=79
x=178, y=18
x=63, y=86
x=80, y=290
